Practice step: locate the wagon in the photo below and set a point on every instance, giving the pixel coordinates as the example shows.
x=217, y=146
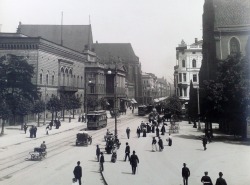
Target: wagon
x=38, y=154
x=83, y=138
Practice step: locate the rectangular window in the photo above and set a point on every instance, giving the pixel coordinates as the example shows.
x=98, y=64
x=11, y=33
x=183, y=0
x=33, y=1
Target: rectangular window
x=185, y=92
x=183, y=63
x=47, y=79
x=184, y=77
x=180, y=77
x=180, y=91
x=194, y=77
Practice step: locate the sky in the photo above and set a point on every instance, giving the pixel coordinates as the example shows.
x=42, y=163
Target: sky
x=153, y=27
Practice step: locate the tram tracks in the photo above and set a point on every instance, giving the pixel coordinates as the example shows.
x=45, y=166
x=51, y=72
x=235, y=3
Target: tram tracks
x=17, y=162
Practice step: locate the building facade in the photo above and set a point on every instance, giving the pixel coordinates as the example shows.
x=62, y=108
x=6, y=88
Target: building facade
x=189, y=59
x=58, y=70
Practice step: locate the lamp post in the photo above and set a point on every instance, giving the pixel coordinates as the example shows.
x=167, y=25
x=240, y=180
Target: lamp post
x=198, y=98
x=45, y=97
x=115, y=97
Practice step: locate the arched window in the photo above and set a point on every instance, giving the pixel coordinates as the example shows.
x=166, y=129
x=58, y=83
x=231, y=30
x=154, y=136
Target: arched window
x=77, y=83
x=234, y=46
x=70, y=77
x=183, y=63
x=47, y=78
x=67, y=77
x=62, y=74
x=53, y=78
x=194, y=63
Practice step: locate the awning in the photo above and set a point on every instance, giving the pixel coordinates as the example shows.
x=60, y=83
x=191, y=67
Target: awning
x=133, y=101
x=125, y=99
x=156, y=100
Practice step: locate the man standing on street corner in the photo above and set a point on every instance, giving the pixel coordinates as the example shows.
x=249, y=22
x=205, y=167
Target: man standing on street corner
x=98, y=152
x=133, y=162
x=128, y=132
x=185, y=174
x=206, y=180
x=78, y=172
x=204, y=142
x=127, y=152
x=101, y=162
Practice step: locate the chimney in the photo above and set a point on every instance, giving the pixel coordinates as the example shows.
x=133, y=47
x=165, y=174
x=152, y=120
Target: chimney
x=195, y=40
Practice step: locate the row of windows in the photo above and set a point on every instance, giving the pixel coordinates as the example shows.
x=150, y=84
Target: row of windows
x=19, y=46
x=194, y=63
x=183, y=77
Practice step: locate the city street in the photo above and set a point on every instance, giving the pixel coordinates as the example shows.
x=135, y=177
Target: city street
x=158, y=168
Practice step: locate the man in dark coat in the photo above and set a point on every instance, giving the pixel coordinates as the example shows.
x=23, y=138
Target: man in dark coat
x=101, y=162
x=128, y=132
x=204, y=142
x=98, y=152
x=206, y=180
x=160, y=143
x=220, y=180
x=138, y=131
x=157, y=131
x=133, y=162
x=185, y=174
x=35, y=130
x=78, y=172
x=163, y=130
x=127, y=152
x=25, y=127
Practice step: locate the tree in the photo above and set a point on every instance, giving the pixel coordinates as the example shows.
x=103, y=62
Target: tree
x=228, y=96
x=74, y=103
x=54, y=105
x=39, y=107
x=173, y=105
x=16, y=83
x=5, y=113
x=193, y=104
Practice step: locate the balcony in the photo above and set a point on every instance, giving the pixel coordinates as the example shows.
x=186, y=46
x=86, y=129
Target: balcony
x=68, y=89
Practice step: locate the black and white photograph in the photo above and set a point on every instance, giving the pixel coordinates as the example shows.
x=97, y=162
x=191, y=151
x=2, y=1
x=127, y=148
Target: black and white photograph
x=124, y=92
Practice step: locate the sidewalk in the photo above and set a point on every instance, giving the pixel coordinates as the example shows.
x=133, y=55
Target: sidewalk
x=14, y=135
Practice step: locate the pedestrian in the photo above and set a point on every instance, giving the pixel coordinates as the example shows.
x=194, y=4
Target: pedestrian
x=25, y=127
x=128, y=132
x=133, y=110
x=134, y=160
x=43, y=146
x=153, y=128
x=144, y=132
x=31, y=131
x=78, y=172
x=47, y=130
x=82, y=117
x=98, y=152
x=163, y=130
x=127, y=152
x=154, y=146
x=204, y=142
x=206, y=180
x=160, y=143
x=69, y=118
x=79, y=118
x=220, y=180
x=50, y=124
x=34, y=131
x=185, y=174
x=148, y=128
x=157, y=131
x=138, y=131
x=101, y=162
x=169, y=140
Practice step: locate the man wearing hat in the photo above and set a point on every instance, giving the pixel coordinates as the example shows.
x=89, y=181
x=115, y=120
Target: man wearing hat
x=220, y=180
x=206, y=180
x=133, y=162
x=78, y=172
x=101, y=162
x=127, y=152
x=185, y=174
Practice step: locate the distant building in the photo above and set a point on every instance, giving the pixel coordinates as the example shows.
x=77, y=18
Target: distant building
x=189, y=58
x=123, y=53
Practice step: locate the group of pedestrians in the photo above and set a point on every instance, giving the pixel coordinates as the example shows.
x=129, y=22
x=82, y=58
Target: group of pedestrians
x=33, y=131
x=133, y=159
x=206, y=180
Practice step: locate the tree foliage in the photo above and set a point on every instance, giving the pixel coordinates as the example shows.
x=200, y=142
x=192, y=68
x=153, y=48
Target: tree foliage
x=173, y=105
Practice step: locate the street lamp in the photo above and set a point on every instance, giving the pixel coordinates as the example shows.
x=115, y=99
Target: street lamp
x=198, y=98
x=115, y=97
